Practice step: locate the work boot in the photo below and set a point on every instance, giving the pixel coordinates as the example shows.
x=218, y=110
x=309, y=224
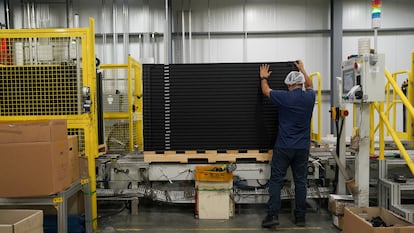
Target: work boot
x=270, y=221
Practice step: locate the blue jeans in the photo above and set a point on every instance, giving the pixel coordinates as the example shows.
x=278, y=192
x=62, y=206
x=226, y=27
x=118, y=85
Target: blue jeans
x=281, y=160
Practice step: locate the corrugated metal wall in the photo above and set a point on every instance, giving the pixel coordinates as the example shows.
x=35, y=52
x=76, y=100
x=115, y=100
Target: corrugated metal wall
x=218, y=31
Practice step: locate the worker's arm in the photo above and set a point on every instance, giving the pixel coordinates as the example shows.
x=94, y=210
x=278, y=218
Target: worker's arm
x=264, y=75
x=301, y=68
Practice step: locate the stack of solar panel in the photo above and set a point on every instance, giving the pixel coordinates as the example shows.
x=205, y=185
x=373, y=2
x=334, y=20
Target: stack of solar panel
x=210, y=106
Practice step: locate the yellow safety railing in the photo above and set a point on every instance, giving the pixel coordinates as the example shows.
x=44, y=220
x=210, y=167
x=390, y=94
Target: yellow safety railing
x=317, y=136
x=391, y=103
x=384, y=120
x=46, y=70
x=391, y=106
x=120, y=80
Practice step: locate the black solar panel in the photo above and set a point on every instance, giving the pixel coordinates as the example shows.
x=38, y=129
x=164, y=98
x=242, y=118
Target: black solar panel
x=209, y=106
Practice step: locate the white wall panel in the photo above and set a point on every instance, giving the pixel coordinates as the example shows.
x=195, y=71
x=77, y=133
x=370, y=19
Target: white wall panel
x=90, y=9
x=220, y=49
x=356, y=14
x=313, y=50
x=226, y=15
x=397, y=14
x=231, y=21
x=144, y=15
x=287, y=15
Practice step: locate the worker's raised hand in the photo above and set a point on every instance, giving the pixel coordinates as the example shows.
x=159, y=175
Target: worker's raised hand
x=264, y=71
x=300, y=66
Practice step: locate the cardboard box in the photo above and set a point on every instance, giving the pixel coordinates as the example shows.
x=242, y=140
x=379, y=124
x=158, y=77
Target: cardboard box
x=34, y=169
x=356, y=220
x=21, y=221
x=33, y=131
x=337, y=203
x=83, y=167
x=73, y=154
x=338, y=221
x=34, y=158
x=213, y=200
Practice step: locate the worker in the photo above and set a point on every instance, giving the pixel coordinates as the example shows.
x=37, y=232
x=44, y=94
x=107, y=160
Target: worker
x=292, y=145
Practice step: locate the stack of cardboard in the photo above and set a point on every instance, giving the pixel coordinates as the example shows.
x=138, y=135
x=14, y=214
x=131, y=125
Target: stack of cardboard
x=336, y=206
x=34, y=158
x=358, y=220
x=21, y=221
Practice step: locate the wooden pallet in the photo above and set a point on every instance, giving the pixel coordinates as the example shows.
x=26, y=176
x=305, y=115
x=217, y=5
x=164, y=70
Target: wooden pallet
x=209, y=156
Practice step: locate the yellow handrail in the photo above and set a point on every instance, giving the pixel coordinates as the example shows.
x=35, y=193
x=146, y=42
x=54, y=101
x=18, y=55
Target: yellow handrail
x=392, y=105
x=384, y=119
x=398, y=91
x=396, y=139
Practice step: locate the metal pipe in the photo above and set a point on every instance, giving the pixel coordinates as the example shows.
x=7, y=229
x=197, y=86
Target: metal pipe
x=28, y=15
x=103, y=27
x=67, y=14
x=375, y=40
x=245, y=32
x=154, y=44
x=141, y=47
x=209, y=30
x=7, y=12
x=167, y=34
x=125, y=12
x=29, y=25
x=32, y=15
x=189, y=34
x=114, y=31
x=76, y=20
x=183, y=32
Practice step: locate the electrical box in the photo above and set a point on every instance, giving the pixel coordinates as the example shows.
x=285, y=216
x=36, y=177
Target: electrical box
x=363, y=78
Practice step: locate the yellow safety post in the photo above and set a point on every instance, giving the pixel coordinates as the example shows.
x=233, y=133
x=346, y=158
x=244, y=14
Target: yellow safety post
x=371, y=130
x=410, y=96
x=317, y=136
x=138, y=99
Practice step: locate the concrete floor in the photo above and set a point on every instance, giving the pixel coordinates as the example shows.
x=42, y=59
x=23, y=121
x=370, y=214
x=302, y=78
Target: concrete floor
x=153, y=217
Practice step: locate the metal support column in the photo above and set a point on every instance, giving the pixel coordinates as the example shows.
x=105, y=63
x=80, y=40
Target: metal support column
x=336, y=50
x=361, y=196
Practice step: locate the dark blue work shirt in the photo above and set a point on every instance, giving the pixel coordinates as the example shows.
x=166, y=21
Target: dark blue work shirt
x=295, y=113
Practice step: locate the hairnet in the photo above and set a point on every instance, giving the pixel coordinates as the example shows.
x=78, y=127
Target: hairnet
x=294, y=77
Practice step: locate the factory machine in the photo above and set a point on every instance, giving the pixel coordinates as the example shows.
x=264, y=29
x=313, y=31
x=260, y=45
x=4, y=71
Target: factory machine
x=183, y=130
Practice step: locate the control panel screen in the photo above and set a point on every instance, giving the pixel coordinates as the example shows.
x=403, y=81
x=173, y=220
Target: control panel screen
x=348, y=80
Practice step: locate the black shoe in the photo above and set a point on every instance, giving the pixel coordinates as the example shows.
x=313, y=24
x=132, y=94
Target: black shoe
x=270, y=221
x=300, y=222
